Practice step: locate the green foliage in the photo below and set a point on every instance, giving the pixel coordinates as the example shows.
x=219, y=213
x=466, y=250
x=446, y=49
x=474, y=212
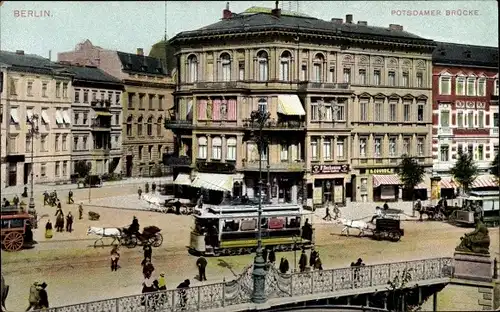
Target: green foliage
x=158, y=51
x=495, y=166
x=397, y=291
x=82, y=168
x=465, y=170
x=410, y=172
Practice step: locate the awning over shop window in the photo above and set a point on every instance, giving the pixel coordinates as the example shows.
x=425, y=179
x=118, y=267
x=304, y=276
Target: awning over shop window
x=66, y=118
x=59, y=118
x=14, y=116
x=45, y=117
x=290, y=105
x=446, y=183
x=389, y=179
x=29, y=114
x=484, y=181
x=214, y=182
x=183, y=179
x=98, y=113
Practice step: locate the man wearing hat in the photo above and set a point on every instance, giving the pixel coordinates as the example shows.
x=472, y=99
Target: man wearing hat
x=43, y=301
x=34, y=297
x=162, y=285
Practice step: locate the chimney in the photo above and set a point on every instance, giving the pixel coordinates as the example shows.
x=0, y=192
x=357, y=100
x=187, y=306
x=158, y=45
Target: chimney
x=140, y=51
x=364, y=23
x=226, y=13
x=276, y=11
x=348, y=19
x=337, y=20
x=50, y=55
x=20, y=52
x=395, y=27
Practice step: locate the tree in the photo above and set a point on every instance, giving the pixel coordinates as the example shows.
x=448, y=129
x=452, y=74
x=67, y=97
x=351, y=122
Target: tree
x=167, y=58
x=411, y=173
x=82, y=168
x=399, y=292
x=495, y=167
x=465, y=170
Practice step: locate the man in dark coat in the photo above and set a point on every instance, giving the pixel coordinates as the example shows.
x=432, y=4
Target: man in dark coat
x=303, y=261
x=177, y=206
x=153, y=187
x=44, y=298
x=80, y=211
x=272, y=256
x=264, y=253
x=312, y=257
x=183, y=287
x=284, y=265
x=69, y=222
x=201, y=263
x=70, y=197
x=148, y=251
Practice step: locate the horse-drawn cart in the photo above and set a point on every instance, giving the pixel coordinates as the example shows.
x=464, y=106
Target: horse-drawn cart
x=14, y=228
x=388, y=228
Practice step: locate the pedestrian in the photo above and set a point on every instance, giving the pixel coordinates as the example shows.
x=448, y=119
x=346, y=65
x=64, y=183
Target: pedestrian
x=201, y=263
x=15, y=201
x=146, y=187
x=34, y=297
x=264, y=254
x=272, y=256
x=183, y=287
x=162, y=285
x=327, y=216
x=43, y=302
x=139, y=192
x=115, y=256
x=303, y=261
x=177, y=206
x=199, y=203
x=70, y=197
x=312, y=257
x=59, y=206
x=317, y=262
x=284, y=266
x=148, y=251
x=386, y=206
x=153, y=187
x=69, y=222
x=147, y=267
x=336, y=211
x=46, y=198
x=48, y=230
x=80, y=211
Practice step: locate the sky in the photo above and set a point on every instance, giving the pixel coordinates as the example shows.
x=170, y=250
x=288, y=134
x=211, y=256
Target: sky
x=126, y=26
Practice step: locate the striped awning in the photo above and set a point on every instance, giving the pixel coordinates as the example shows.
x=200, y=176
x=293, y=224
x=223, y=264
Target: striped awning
x=447, y=183
x=290, y=105
x=183, y=179
x=387, y=179
x=214, y=182
x=484, y=181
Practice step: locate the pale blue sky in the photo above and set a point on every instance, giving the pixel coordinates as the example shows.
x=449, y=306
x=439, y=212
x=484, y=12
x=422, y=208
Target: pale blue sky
x=126, y=26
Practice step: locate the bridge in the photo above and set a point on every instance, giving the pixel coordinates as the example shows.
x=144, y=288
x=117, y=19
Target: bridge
x=282, y=289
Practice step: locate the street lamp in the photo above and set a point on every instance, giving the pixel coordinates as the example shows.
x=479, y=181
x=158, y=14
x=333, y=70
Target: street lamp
x=33, y=131
x=259, y=265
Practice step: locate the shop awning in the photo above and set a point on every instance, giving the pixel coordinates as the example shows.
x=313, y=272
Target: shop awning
x=183, y=179
x=29, y=114
x=484, y=181
x=214, y=181
x=290, y=105
x=66, y=118
x=98, y=113
x=59, y=118
x=446, y=183
x=45, y=117
x=386, y=179
x=14, y=116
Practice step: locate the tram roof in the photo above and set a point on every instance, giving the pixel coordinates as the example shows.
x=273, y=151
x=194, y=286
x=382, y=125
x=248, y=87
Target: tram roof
x=236, y=211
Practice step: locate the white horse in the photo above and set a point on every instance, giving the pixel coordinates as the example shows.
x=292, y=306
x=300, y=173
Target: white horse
x=104, y=232
x=359, y=225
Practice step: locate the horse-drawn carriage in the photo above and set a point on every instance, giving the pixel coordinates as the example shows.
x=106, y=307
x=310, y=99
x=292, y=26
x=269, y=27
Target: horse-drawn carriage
x=15, y=227
x=437, y=212
x=388, y=228
x=151, y=235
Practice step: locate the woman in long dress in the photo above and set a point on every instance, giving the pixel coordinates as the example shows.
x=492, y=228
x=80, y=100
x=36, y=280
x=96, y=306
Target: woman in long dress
x=48, y=230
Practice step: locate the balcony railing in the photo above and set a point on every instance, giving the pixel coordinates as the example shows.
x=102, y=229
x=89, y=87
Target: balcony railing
x=276, y=124
x=392, y=161
x=178, y=161
x=445, y=131
x=100, y=104
x=281, y=166
x=323, y=85
x=178, y=124
x=100, y=125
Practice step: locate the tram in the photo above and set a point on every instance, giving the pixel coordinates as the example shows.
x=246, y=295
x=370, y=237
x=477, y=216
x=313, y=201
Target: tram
x=488, y=203
x=232, y=229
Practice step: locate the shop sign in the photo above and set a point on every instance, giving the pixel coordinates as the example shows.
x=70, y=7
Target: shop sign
x=380, y=171
x=204, y=166
x=330, y=169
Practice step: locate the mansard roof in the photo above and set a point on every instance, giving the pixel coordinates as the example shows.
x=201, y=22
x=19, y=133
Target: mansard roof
x=447, y=53
x=141, y=64
x=30, y=63
x=91, y=74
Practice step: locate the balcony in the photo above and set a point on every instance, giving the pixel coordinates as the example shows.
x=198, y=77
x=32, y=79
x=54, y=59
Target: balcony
x=385, y=162
x=323, y=86
x=99, y=125
x=264, y=85
x=275, y=125
x=296, y=166
x=100, y=104
x=100, y=152
x=178, y=124
x=178, y=161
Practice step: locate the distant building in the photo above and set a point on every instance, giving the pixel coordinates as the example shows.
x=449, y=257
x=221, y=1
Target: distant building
x=147, y=97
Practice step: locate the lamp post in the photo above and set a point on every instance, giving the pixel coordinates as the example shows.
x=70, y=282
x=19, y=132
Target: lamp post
x=33, y=131
x=259, y=265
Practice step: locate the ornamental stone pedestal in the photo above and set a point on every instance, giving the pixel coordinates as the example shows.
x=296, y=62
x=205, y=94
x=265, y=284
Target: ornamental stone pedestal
x=473, y=266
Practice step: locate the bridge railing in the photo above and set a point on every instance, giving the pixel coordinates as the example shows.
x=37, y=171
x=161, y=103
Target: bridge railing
x=238, y=291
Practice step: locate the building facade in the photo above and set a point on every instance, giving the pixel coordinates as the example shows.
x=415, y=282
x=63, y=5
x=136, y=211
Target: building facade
x=465, y=108
x=96, y=120
x=145, y=102
x=343, y=109
x=35, y=86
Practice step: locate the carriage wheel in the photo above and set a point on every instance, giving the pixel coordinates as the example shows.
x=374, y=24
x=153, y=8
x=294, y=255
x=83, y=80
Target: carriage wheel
x=394, y=236
x=130, y=242
x=452, y=218
x=13, y=241
x=157, y=240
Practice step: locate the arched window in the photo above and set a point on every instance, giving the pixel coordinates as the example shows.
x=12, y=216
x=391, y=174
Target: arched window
x=216, y=148
x=130, y=120
x=139, y=126
x=225, y=63
x=159, y=126
x=262, y=105
x=150, y=126
x=286, y=58
x=231, y=149
x=202, y=148
x=318, y=67
x=192, y=68
x=263, y=68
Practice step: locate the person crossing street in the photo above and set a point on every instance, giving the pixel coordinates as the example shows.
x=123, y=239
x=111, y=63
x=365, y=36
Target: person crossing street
x=201, y=263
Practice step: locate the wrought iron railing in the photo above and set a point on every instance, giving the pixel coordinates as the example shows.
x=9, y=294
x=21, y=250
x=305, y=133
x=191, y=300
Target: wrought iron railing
x=289, y=124
x=239, y=291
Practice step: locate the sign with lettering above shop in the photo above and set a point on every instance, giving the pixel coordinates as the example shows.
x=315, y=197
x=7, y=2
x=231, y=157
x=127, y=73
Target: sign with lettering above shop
x=325, y=169
x=380, y=171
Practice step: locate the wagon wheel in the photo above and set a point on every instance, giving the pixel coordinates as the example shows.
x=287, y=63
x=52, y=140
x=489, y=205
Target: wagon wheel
x=452, y=218
x=394, y=236
x=130, y=241
x=13, y=241
x=157, y=240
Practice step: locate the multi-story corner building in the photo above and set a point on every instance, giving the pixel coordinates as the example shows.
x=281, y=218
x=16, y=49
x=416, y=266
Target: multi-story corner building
x=35, y=86
x=145, y=101
x=465, y=108
x=97, y=120
x=346, y=102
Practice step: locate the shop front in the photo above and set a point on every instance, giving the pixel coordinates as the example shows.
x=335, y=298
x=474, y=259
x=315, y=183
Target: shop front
x=283, y=187
x=387, y=186
x=329, y=184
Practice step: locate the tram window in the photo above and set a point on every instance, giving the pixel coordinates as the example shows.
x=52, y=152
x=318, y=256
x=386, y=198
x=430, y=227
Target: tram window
x=276, y=224
x=5, y=224
x=16, y=223
x=248, y=225
x=231, y=226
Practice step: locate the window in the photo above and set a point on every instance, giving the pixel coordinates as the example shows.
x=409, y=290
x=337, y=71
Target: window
x=420, y=80
x=363, y=110
x=460, y=86
x=406, y=146
x=314, y=149
x=406, y=79
x=43, y=169
x=150, y=126
x=140, y=153
x=85, y=96
x=460, y=147
x=495, y=120
x=29, y=88
x=445, y=118
x=202, y=147
x=192, y=68
x=471, y=86
x=331, y=74
x=110, y=97
x=44, y=89
x=377, y=147
x=117, y=119
x=139, y=126
x=43, y=143
x=65, y=90
x=159, y=126
x=480, y=119
x=14, y=118
x=241, y=70
x=362, y=147
x=94, y=95
x=495, y=86
x=151, y=98
x=75, y=143
x=406, y=111
x=85, y=119
x=376, y=77
x=328, y=114
x=85, y=139
x=141, y=100
x=56, y=142
x=340, y=148
x=225, y=67
x=150, y=152
x=159, y=148
x=262, y=105
x=65, y=168
x=392, y=78
x=480, y=152
x=231, y=149
x=392, y=147
x=420, y=147
x=303, y=72
x=161, y=98
x=362, y=76
x=392, y=111
x=28, y=143
x=58, y=89
x=13, y=87
x=327, y=149
x=216, y=148
x=318, y=68
x=129, y=126
x=378, y=111
x=314, y=111
x=77, y=96
x=470, y=119
x=420, y=112
x=284, y=152
x=64, y=144
x=57, y=168
x=130, y=100
x=481, y=87
x=347, y=75
x=444, y=85
x=117, y=98
x=340, y=111
x=444, y=153
x=470, y=149
x=460, y=119
x=285, y=66
x=262, y=59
